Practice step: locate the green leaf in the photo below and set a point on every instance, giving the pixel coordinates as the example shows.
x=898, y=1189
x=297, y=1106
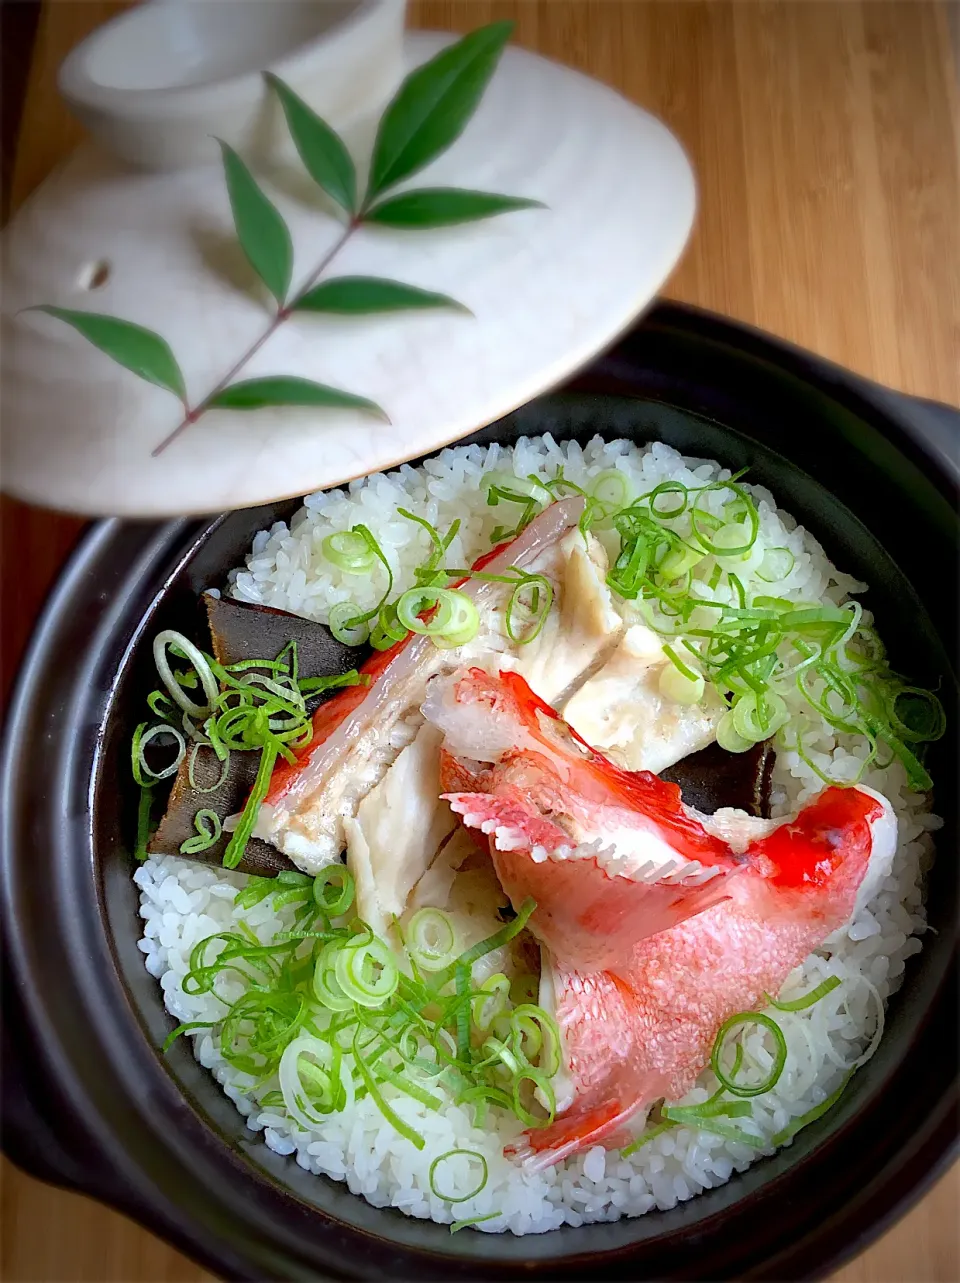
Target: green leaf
x=262, y=233
x=142, y=351
x=361, y=295
x=433, y=105
x=256, y=394
x=326, y=159
x=444, y=207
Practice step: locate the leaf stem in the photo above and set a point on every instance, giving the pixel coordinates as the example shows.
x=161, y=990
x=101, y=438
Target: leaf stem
x=282, y=314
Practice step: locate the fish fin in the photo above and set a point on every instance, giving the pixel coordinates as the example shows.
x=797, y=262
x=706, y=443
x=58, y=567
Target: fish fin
x=511, y=824
x=574, y=1132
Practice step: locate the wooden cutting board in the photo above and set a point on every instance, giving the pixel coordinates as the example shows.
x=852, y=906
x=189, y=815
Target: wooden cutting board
x=825, y=137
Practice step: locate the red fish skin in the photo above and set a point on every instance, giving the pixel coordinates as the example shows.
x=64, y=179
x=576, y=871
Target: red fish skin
x=331, y=714
x=567, y=777
x=644, y=975
x=645, y=1031
x=334, y=711
x=595, y=919
x=553, y=785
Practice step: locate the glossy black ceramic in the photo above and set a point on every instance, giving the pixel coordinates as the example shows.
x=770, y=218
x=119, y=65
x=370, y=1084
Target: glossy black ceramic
x=90, y=1102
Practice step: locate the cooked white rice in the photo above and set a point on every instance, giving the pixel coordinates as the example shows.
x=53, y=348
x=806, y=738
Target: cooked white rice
x=182, y=902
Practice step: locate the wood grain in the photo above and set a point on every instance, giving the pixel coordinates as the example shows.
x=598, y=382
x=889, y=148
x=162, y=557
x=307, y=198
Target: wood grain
x=826, y=140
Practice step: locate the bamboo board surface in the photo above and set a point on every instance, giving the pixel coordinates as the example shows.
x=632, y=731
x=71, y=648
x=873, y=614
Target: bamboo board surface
x=826, y=140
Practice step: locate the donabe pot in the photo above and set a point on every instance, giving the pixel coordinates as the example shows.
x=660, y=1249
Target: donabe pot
x=90, y=1102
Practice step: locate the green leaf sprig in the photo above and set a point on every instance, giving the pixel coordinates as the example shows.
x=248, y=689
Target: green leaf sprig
x=427, y=115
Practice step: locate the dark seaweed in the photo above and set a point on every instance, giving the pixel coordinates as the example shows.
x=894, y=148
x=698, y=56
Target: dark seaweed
x=714, y=778
x=242, y=631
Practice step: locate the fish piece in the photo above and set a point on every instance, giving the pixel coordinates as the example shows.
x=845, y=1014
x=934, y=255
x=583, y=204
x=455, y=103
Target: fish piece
x=713, y=778
x=621, y=710
x=644, y=1031
x=609, y=855
x=359, y=732
x=398, y=829
x=582, y=624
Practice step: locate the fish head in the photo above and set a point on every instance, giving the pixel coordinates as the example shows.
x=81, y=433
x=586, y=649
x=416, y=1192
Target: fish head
x=610, y=856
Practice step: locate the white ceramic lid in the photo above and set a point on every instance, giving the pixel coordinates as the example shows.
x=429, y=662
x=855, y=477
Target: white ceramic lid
x=548, y=288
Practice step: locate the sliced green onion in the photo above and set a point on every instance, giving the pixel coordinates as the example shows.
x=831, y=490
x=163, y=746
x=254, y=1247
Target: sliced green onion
x=367, y=973
x=780, y=1055
x=729, y=1132
x=348, y=550
x=334, y=889
x=444, y=1158
x=345, y=620
x=346, y=625
x=504, y=485
x=732, y=543
x=491, y=1001
x=650, y=1134
x=302, y=1011
x=241, y=835
x=473, y=1220
x=812, y=1115
x=429, y=574
x=310, y=1102
x=729, y=738
x=630, y=568
x=679, y=560
x=454, y=618
x=496, y=941
x=387, y=630
x=320, y=685
x=257, y=889
x=916, y=715
x=326, y=987
x=143, y=773
x=465, y=623
x=209, y=828
x=543, y=1089
x=611, y=488
x=679, y=682
x=662, y=502
x=528, y=608
x=416, y=602
x=432, y=939
x=170, y=638
x=700, y=519
x=757, y=717
x=162, y=706
x=536, y=1034
x=776, y=565
x=174, y=1034
x=497, y=1053
x=738, y=589
x=808, y=999
x=694, y=1115
x=389, y=1114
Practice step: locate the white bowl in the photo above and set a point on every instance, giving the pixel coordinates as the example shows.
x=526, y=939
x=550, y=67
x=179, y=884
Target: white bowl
x=157, y=85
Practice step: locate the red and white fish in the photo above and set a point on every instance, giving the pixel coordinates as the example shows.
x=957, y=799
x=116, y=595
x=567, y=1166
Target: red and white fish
x=359, y=732
x=657, y=923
